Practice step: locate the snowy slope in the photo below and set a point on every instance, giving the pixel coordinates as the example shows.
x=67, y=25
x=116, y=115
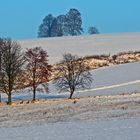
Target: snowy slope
x=126, y=76
x=96, y=44
x=86, y=45
x=117, y=128
x=118, y=77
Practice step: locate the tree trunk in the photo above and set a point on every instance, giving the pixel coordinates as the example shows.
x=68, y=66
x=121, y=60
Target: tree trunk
x=0, y=73
x=34, y=82
x=0, y=97
x=9, y=99
x=71, y=93
x=34, y=93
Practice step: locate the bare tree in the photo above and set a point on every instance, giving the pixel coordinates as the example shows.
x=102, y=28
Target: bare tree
x=71, y=74
x=38, y=69
x=12, y=61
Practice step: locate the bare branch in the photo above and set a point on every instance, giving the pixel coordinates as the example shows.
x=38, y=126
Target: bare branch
x=72, y=74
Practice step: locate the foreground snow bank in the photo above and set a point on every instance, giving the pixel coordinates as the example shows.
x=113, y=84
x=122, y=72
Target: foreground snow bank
x=66, y=110
x=127, y=129
x=94, y=118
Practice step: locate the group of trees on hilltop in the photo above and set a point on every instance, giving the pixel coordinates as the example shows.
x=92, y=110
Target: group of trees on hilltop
x=19, y=70
x=63, y=25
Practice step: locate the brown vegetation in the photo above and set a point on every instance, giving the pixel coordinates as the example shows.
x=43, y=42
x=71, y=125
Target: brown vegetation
x=97, y=61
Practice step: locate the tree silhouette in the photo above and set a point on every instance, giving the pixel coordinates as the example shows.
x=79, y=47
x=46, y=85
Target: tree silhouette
x=93, y=30
x=38, y=69
x=49, y=27
x=73, y=22
x=61, y=20
x=69, y=24
x=12, y=62
x=71, y=74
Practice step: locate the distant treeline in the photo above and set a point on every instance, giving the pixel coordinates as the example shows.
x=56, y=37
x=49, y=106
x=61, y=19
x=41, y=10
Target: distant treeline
x=64, y=25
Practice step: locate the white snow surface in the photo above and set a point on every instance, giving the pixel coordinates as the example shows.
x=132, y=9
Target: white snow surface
x=85, y=45
x=116, y=76
x=112, y=80
x=101, y=118
x=128, y=129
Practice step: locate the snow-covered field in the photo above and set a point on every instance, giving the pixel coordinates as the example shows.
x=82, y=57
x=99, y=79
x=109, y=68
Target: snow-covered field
x=95, y=118
x=118, y=77
x=128, y=129
x=114, y=117
x=86, y=45
x=115, y=80
x=112, y=80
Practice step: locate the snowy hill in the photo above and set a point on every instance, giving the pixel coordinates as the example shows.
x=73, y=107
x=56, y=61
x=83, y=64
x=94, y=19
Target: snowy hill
x=86, y=45
x=106, y=117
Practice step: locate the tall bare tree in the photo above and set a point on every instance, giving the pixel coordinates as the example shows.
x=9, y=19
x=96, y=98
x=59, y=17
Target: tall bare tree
x=38, y=69
x=71, y=74
x=12, y=62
